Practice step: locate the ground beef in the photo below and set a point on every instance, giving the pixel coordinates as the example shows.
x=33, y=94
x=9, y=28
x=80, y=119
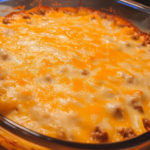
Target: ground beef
x=26, y=17
x=84, y=72
x=135, y=36
x=99, y=134
x=138, y=107
x=48, y=78
x=119, y=112
x=135, y=103
x=127, y=133
x=6, y=20
x=146, y=124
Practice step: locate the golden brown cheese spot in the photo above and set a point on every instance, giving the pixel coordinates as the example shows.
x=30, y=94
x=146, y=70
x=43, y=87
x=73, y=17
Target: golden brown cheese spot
x=121, y=25
x=41, y=12
x=93, y=18
x=130, y=79
x=3, y=74
x=48, y=77
x=62, y=135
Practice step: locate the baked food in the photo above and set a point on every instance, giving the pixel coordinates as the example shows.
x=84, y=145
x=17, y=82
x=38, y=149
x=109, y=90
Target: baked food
x=75, y=74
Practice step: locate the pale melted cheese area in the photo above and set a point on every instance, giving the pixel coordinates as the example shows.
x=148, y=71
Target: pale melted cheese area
x=41, y=82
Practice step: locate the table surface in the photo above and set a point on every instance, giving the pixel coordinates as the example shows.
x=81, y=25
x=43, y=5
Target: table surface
x=145, y=2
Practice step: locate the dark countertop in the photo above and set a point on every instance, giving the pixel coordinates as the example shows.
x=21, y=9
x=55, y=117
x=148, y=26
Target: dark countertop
x=145, y=2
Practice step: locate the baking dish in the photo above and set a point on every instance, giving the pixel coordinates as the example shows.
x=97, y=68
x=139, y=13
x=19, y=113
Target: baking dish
x=142, y=21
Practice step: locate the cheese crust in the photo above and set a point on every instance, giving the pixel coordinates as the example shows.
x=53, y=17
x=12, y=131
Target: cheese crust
x=75, y=74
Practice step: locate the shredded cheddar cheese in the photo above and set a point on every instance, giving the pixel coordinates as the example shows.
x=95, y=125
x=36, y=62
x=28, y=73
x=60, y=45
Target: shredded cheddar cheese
x=78, y=75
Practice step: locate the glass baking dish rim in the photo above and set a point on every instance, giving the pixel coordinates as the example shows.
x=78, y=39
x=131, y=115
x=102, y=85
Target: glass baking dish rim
x=135, y=5
x=50, y=142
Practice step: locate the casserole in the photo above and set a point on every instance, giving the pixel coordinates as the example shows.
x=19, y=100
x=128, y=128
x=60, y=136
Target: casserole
x=82, y=145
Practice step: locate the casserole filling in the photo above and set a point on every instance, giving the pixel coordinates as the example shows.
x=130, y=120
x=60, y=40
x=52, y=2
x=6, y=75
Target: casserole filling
x=75, y=74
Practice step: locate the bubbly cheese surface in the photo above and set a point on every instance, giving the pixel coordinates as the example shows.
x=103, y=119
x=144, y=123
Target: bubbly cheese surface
x=63, y=75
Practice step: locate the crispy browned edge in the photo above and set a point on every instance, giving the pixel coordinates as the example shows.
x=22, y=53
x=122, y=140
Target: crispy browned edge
x=118, y=21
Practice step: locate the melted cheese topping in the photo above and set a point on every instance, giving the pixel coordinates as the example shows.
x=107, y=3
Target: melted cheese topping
x=61, y=75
